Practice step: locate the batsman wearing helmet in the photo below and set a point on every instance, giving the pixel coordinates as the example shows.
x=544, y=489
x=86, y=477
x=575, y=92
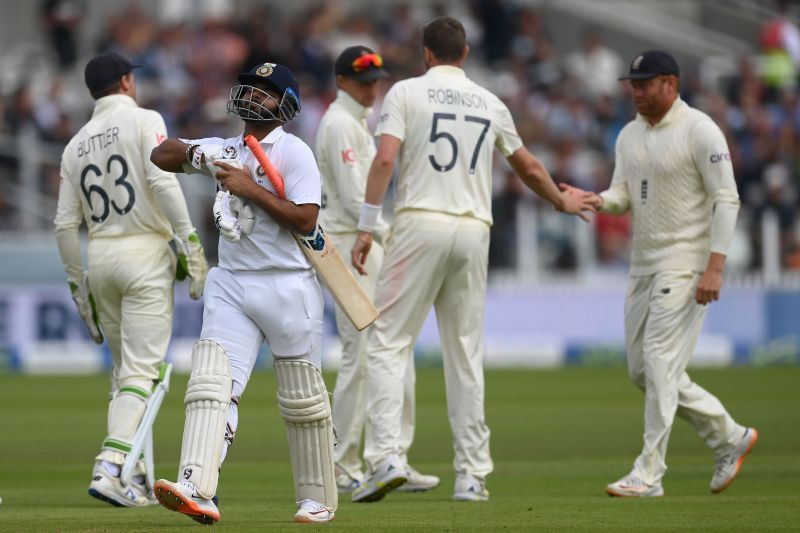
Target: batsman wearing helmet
x=131, y=208
x=673, y=173
x=345, y=148
x=263, y=289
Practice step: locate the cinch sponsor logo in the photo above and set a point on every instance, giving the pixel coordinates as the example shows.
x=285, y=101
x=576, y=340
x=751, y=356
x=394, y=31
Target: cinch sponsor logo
x=722, y=156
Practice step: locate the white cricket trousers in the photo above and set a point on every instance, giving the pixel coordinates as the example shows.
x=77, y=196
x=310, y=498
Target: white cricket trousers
x=131, y=279
x=349, y=394
x=662, y=324
x=242, y=309
x=440, y=260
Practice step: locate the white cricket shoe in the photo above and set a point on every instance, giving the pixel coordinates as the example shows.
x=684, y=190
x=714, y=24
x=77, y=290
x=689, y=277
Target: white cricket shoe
x=632, y=486
x=108, y=488
x=311, y=511
x=389, y=475
x=183, y=498
x=346, y=484
x=418, y=482
x=728, y=464
x=469, y=488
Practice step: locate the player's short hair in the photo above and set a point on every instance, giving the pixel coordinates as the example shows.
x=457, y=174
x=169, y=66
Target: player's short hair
x=445, y=38
x=113, y=89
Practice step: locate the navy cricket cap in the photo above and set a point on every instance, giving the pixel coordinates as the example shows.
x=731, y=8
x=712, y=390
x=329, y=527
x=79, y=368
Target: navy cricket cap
x=360, y=63
x=277, y=77
x=104, y=70
x=650, y=64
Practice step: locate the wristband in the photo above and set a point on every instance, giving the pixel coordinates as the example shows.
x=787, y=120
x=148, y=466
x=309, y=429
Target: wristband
x=190, y=151
x=368, y=217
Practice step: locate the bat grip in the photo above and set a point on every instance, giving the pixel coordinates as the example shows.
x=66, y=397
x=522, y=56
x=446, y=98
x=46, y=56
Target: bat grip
x=272, y=173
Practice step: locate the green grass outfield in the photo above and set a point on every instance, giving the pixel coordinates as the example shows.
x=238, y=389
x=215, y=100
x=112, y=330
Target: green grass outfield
x=558, y=437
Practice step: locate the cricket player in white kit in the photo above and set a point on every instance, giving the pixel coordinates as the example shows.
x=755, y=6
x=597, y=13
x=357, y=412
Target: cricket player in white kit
x=345, y=149
x=673, y=173
x=444, y=127
x=263, y=289
x=131, y=209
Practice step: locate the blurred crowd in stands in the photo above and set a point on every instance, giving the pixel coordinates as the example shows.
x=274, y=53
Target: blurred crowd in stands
x=568, y=104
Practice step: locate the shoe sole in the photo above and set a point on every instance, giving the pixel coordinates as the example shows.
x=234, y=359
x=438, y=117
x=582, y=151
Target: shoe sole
x=403, y=488
x=615, y=494
x=383, y=488
x=738, y=464
x=303, y=519
x=102, y=497
x=175, y=502
x=472, y=498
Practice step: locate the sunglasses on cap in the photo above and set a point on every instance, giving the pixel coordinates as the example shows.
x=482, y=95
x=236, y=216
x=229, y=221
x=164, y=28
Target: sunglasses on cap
x=362, y=63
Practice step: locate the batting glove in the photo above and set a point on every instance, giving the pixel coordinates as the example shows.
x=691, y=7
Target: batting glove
x=192, y=264
x=216, y=157
x=84, y=301
x=232, y=216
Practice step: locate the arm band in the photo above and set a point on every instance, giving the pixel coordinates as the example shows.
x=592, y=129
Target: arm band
x=723, y=225
x=368, y=217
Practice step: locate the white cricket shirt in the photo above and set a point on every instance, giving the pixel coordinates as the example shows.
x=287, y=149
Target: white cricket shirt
x=345, y=150
x=448, y=125
x=106, y=174
x=269, y=245
x=670, y=176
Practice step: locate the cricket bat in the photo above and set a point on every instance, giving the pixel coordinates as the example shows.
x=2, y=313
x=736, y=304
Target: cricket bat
x=327, y=261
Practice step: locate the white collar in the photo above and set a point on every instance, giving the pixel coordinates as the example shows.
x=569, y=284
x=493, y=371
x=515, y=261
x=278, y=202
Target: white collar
x=349, y=104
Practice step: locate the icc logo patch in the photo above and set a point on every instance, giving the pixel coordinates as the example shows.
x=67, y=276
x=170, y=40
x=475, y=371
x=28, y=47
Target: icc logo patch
x=260, y=172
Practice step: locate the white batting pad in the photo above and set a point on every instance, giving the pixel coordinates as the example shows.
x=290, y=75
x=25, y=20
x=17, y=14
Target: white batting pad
x=208, y=396
x=304, y=405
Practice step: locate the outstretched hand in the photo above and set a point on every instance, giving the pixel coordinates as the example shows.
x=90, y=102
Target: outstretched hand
x=579, y=202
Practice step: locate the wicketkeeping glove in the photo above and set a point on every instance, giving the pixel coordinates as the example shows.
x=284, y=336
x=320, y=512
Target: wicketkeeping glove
x=84, y=301
x=192, y=264
x=232, y=216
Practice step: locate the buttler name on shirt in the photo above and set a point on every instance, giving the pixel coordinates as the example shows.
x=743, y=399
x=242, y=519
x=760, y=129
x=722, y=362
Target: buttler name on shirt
x=99, y=141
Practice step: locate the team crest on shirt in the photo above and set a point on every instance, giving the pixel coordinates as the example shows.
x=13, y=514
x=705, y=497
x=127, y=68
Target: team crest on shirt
x=260, y=175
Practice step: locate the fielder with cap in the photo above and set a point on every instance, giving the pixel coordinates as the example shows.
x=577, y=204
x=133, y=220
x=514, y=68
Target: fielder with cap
x=673, y=173
x=345, y=148
x=131, y=208
x=444, y=127
x=263, y=289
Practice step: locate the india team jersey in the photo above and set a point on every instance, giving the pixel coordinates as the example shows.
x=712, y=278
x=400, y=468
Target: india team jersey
x=107, y=174
x=269, y=245
x=448, y=125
